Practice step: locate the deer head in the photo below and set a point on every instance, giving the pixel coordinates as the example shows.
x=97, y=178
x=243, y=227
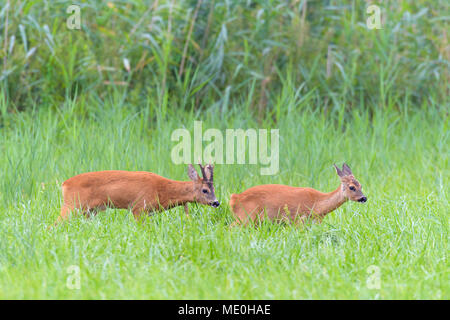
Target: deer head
x=350, y=186
x=203, y=187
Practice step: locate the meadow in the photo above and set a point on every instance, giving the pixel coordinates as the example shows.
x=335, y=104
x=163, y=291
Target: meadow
x=402, y=229
x=384, y=112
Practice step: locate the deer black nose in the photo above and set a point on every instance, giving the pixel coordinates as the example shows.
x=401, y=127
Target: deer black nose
x=363, y=199
x=215, y=204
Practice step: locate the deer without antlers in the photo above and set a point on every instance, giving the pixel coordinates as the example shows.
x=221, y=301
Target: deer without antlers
x=281, y=202
x=142, y=192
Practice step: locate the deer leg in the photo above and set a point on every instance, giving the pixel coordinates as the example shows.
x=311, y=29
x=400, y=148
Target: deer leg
x=65, y=213
x=237, y=218
x=139, y=213
x=314, y=218
x=299, y=221
x=238, y=221
x=244, y=218
x=318, y=219
x=235, y=223
x=186, y=210
x=88, y=213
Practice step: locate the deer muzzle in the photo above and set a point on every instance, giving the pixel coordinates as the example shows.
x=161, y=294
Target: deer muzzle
x=362, y=199
x=215, y=204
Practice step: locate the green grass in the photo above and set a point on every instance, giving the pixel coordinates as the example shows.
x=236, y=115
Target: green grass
x=376, y=99
x=401, y=159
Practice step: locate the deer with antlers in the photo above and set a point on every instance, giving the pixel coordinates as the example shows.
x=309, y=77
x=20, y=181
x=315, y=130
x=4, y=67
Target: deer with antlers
x=142, y=192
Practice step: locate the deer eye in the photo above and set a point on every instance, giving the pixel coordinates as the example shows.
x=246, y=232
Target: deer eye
x=205, y=191
x=352, y=188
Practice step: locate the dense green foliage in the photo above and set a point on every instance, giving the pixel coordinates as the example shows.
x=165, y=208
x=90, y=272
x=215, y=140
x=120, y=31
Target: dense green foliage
x=376, y=99
x=185, y=54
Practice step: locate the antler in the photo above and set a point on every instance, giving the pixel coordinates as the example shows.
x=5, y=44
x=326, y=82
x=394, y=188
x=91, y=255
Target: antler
x=210, y=169
x=203, y=171
x=207, y=172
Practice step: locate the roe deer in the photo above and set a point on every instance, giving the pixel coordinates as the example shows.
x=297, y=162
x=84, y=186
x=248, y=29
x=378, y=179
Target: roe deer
x=281, y=202
x=139, y=191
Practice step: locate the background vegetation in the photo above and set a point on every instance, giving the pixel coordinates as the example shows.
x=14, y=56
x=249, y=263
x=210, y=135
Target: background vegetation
x=109, y=96
x=204, y=54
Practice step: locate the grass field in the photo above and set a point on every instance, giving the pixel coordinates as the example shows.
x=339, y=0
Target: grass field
x=110, y=94
x=400, y=158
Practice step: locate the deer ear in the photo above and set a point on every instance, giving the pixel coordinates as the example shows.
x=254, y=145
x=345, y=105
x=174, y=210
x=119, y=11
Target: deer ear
x=346, y=169
x=339, y=172
x=209, y=169
x=192, y=173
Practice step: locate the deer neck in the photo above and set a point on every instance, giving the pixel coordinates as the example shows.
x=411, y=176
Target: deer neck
x=330, y=201
x=178, y=193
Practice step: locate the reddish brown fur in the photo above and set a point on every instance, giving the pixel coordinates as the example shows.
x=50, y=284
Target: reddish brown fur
x=138, y=191
x=281, y=202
